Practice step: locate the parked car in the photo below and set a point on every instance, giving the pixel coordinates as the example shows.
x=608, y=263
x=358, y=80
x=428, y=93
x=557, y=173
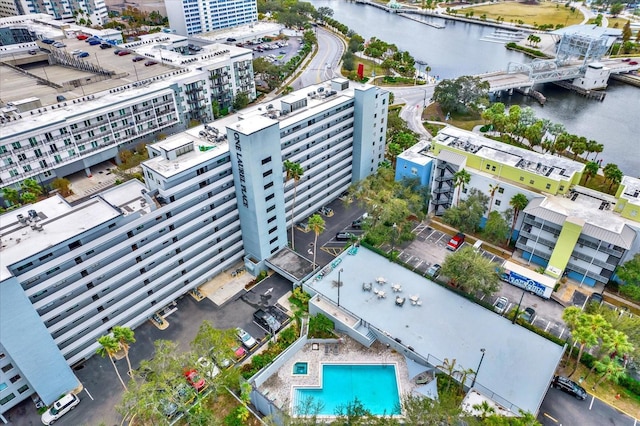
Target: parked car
x=569, y=386
x=500, y=305
x=207, y=367
x=266, y=321
x=195, y=380
x=106, y=46
x=48, y=41
x=138, y=59
x=239, y=352
x=94, y=42
x=247, y=340
x=344, y=236
x=33, y=52
x=434, y=270
x=82, y=36
x=327, y=211
x=76, y=51
x=185, y=394
x=117, y=51
x=168, y=408
x=60, y=408
x=83, y=55
x=59, y=44
x=528, y=314
x=149, y=63
x=231, y=39
x=455, y=242
x=357, y=223
x=124, y=52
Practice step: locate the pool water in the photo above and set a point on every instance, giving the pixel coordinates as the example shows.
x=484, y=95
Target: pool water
x=374, y=385
x=300, y=368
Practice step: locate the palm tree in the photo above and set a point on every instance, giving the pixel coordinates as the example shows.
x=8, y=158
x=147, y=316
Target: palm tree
x=293, y=171
x=484, y=408
x=124, y=336
x=30, y=185
x=590, y=170
x=610, y=369
x=518, y=203
x=570, y=317
x=598, y=148
x=492, y=191
x=587, y=332
x=448, y=367
x=614, y=343
x=110, y=346
x=461, y=178
x=316, y=223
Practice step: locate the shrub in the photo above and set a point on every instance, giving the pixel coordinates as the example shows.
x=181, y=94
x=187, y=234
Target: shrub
x=320, y=327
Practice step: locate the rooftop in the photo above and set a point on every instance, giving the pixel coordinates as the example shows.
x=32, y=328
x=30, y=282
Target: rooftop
x=51, y=221
x=550, y=166
x=446, y=326
x=631, y=191
x=246, y=32
x=596, y=212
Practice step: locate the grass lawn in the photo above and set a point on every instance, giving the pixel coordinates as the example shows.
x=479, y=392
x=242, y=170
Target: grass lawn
x=619, y=21
x=607, y=391
x=434, y=113
x=532, y=14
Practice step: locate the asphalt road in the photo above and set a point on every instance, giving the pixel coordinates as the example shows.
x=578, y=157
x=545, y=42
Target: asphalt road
x=561, y=409
x=325, y=64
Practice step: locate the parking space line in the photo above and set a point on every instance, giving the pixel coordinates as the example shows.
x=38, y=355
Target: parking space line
x=551, y=418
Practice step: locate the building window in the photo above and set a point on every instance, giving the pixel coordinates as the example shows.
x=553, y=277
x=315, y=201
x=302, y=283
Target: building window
x=498, y=202
x=267, y=173
x=548, y=186
x=488, y=166
x=23, y=389
x=266, y=160
x=269, y=185
x=271, y=219
x=531, y=182
x=271, y=209
x=521, y=178
x=15, y=378
x=493, y=168
x=7, y=398
x=3, y=386
x=501, y=190
x=7, y=367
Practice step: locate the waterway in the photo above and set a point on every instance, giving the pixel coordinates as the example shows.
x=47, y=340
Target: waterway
x=458, y=50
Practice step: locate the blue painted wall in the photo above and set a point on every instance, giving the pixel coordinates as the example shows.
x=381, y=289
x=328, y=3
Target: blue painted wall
x=411, y=170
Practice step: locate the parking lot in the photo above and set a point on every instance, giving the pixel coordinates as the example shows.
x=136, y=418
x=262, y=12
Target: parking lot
x=276, y=54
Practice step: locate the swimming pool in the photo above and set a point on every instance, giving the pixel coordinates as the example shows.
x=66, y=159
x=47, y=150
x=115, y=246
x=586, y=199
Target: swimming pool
x=375, y=386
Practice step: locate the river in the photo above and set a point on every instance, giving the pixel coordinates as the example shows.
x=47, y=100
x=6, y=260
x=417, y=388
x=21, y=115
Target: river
x=458, y=50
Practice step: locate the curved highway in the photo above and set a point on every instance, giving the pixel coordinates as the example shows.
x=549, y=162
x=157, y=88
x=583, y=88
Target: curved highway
x=325, y=64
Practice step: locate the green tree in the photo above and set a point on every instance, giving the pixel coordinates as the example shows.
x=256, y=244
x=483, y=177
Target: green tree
x=461, y=178
x=212, y=342
x=125, y=337
x=609, y=369
x=612, y=174
x=28, y=198
x=613, y=344
x=590, y=170
x=240, y=101
x=616, y=8
x=579, y=147
x=11, y=195
x=324, y=11
x=470, y=270
x=467, y=215
x=518, y=203
x=317, y=225
x=496, y=228
x=629, y=274
x=463, y=95
x=30, y=185
x=493, y=187
x=110, y=346
x=587, y=332
x=293, y=171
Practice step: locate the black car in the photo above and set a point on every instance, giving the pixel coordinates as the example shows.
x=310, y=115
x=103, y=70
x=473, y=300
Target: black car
x=357, y=223
x=266, y=321
x=595, y=298
x=528, y=315
x=569, y=386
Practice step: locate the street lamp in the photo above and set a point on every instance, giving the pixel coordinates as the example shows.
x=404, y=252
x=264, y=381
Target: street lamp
x=517, y=309
x=339, y=284
x=424, y=102
x=393, y=241
x=478, y=369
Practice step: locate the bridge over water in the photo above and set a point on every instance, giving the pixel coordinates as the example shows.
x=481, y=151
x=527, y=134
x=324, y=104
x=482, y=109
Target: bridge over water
x=522, y=76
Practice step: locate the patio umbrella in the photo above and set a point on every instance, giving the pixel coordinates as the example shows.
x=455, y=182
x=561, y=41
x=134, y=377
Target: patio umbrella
x=430, y=390
x=415, y=368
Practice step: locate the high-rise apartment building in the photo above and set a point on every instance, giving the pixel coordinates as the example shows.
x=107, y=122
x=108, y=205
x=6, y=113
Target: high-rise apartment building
x=188, y=17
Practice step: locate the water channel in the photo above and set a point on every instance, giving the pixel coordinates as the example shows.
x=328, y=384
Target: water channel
x=458, y=50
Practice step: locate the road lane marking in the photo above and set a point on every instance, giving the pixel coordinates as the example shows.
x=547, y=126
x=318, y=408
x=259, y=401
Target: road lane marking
x=87, y=391
x=593, y=398
x=546, y=415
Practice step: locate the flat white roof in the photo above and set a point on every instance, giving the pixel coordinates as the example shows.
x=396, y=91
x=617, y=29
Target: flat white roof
x=418, y=153
x=551, y=166
x=59, y=221
x=631, y=191
x=518, y=364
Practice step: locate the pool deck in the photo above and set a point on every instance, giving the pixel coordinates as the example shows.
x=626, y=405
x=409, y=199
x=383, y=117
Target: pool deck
x=279, y=387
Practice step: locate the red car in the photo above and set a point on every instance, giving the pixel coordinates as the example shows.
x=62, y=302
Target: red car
x=82, y=36
x=195, y=380
x=123, y=52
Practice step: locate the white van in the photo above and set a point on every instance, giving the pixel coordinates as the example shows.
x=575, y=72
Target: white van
x=477, y=245
x=60, y=408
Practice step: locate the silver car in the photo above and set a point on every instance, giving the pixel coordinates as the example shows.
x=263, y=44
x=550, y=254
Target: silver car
x=500, y=306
